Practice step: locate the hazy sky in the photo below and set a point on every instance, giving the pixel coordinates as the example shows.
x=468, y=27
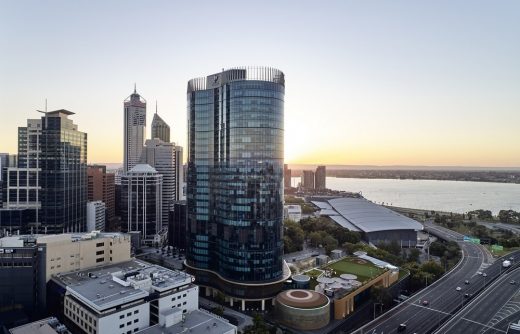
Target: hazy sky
x=367, y=82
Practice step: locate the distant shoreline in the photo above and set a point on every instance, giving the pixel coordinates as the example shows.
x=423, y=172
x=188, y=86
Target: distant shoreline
x=516, y=181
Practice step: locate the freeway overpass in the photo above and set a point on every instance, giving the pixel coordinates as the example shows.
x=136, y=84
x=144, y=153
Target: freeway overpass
x=443, y=299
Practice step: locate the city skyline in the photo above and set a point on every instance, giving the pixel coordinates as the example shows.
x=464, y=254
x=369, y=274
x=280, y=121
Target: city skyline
x=379, y=83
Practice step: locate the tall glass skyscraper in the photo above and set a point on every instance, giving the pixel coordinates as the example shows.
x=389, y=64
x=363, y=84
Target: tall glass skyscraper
x=63, y=175
x=235, y=182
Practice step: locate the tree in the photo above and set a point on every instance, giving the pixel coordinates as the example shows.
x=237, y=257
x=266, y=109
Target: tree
x=315, y=238
x=414, y=255
x=258, y=327
x=330, y=243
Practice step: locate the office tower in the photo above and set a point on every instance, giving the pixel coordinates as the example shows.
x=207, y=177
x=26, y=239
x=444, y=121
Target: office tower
x=141, y=202
x=63, y=175
x=177, y=225
x=286, y=176
x=95, y=216
x=235, y=182
x=160, y=129
x=179, y=174
x=320, y=178
x=101, y=187
x=22, y=279
x=308, y=179
x=6, y=160
x=161, y=156
x=135, y=127
x=23, y=180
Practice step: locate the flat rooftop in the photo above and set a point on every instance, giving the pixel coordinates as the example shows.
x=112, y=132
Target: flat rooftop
x=359, y=214
x=116, y=284
x=45, y=326
x=195, y=322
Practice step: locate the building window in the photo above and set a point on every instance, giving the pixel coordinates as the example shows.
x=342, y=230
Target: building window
x=100, y=252
x=121, y=316
x=99, y=260
x=129, y=314
x=122, y=325
x=129, y=323
x=100, y=244
x=136, y=320
x=136, y=311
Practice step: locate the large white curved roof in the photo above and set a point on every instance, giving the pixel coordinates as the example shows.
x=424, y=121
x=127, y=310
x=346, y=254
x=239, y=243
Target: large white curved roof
x=369, y=217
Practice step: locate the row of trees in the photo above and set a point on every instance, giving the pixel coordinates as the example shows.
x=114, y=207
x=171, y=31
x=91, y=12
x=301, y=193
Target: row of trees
x=319, y=231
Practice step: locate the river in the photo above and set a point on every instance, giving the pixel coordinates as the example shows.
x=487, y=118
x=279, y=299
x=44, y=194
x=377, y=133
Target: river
x=451, y=196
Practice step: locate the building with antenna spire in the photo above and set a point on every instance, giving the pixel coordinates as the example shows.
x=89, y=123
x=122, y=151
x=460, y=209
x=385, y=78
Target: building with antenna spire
x=135, y=129
x=160, y=129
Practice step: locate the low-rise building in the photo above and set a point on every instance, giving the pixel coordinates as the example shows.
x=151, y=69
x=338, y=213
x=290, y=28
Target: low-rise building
x=68, y=252
x=292, y=212
x=122, y=298
x=196, y=322
x=44, y=326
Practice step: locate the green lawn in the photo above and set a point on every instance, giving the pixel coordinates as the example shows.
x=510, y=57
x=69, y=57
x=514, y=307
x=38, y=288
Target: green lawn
x=362, y=271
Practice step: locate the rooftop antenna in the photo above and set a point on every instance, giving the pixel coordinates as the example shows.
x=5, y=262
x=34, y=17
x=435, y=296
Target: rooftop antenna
x=156, y=106
x=44, y=112
x=135, y=88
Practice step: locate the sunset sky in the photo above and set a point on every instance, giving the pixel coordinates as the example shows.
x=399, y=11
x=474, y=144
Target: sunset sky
x=367, y=82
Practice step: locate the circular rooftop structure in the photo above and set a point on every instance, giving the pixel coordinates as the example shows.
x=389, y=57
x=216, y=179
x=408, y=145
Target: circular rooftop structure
x=304, y=299
x=301, y=278
x=324, y=280
x=348, y=276
x=302, y=309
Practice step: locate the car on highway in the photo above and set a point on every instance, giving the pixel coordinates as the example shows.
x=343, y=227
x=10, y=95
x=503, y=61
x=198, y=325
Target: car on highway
x=479, y=272
x=458, y=288
x=466, y=282
x=484, y=274
x=512, y=282
x=467, y=295
x=401, y=328
x=425, y=302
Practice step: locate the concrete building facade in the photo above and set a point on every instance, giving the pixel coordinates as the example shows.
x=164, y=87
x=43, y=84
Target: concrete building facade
x=101, y=187
x=320, y=178
x=141, y=202
x=134, y=129
x=96, y=216
x=308, y=179
x=124, y=297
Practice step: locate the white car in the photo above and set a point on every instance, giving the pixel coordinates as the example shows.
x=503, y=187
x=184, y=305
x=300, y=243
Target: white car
x=458, y=288
x=479, y=272
x=484, y=274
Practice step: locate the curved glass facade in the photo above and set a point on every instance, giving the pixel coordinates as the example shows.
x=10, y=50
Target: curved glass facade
x=235, y=176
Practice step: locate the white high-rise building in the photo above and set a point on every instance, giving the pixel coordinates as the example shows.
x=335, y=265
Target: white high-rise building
x=179, y=176
x=162, y=157
x=141, y=203
x=96, y=216
x=135, y=129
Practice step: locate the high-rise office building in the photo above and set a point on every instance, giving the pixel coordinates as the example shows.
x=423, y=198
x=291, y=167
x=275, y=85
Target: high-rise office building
x=23, y=180
x=161, y=156
x=235, y=183
x=135, y=129
x=101, y=187
x=179, y=174
x=160, y=129
x=96, y=216
x=320, y=178
x=286, y=176
x=141, y=202
x=63, y=175
x=308, y=179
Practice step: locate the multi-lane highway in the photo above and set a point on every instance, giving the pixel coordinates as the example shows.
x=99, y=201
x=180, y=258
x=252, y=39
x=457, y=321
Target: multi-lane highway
x=491, y=311
x=442, y=297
